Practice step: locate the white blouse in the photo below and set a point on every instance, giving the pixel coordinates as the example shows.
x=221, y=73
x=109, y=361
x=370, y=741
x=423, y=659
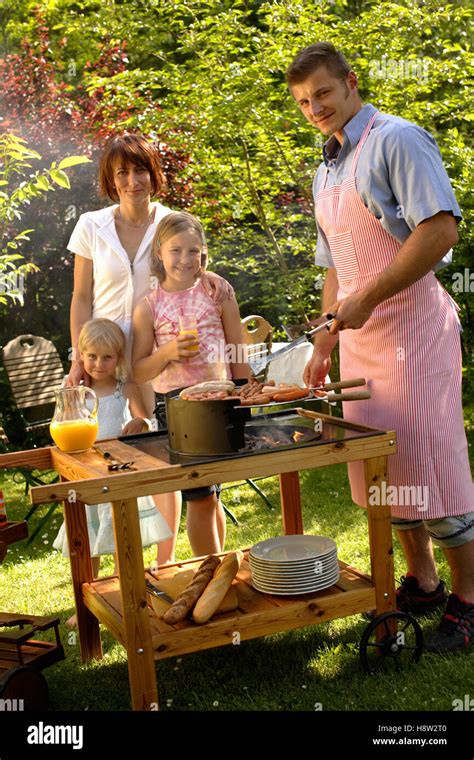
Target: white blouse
x=118, y=286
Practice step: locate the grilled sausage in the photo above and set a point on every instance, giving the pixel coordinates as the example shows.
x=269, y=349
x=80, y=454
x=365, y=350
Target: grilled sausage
x=259, y=400
x=291, y=395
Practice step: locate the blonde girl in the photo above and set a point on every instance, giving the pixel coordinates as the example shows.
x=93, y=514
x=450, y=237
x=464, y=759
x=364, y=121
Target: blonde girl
x=102, y=347
x=173, y=360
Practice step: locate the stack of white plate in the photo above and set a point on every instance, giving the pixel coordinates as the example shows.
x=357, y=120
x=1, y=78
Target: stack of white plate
x=289, y=565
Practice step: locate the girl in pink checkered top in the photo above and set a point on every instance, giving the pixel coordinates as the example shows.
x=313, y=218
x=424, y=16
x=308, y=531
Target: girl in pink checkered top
x=174, y=359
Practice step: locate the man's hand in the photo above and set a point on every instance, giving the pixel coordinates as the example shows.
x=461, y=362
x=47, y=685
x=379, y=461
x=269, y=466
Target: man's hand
x=316, y=369
x=351, y=313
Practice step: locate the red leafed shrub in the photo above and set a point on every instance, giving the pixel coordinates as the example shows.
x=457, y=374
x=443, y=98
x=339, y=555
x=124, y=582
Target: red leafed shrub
x=57, y=116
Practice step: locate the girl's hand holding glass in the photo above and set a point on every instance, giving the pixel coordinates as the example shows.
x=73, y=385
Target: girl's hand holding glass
x=186, y=345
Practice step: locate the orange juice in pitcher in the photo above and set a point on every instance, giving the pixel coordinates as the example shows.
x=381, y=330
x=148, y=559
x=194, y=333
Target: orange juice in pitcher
x=74, y=427
x=74, y=435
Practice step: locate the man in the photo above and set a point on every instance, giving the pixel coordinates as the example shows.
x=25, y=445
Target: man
x=386, y=217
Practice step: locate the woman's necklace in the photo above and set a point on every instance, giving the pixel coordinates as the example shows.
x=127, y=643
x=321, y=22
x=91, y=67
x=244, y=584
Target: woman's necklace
x=129, y=224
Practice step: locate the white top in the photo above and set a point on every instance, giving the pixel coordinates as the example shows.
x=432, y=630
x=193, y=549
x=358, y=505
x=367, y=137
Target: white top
x=113, y=414
x=116, y=289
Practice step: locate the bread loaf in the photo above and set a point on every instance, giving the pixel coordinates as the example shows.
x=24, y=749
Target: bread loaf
x=215, y=592
x=230, y=602
x=208, y=387
x=186, y=601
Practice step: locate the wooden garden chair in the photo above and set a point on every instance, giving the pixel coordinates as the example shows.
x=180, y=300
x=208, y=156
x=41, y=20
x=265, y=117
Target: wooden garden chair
x=34, y=371
x=257, y=335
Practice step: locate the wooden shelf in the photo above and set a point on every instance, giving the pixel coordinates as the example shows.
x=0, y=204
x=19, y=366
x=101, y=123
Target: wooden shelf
x=258, y=614
x=11, y=532
x=17, y=647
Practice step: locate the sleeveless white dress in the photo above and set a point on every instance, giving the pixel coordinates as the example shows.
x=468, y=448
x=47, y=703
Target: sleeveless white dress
x=113, y=414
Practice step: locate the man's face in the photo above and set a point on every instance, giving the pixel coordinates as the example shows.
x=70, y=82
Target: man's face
x=326, y=101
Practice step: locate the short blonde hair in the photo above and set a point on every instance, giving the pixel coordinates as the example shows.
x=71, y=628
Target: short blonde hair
x=105, y=334
x=172, y=224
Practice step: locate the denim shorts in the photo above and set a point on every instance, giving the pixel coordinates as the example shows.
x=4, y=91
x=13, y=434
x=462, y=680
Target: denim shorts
x=447, y=532
x=193, y=494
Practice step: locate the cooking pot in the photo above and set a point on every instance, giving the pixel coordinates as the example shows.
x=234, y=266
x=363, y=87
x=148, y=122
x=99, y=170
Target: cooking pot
x=205, y=427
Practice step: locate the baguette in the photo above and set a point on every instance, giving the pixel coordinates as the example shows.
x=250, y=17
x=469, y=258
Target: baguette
x=188, y=598
x=215, y=592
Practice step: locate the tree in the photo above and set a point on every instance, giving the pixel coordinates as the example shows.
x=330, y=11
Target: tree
x=16, y=193
x=251, y=156
x=208, y=75
x=40, y=103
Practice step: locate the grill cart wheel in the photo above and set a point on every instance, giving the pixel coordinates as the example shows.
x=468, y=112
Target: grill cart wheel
x=28, y=684
x=402, y=648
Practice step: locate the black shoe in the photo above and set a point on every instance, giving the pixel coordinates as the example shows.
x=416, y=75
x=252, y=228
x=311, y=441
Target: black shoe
x=456, y=630
x=412, y=599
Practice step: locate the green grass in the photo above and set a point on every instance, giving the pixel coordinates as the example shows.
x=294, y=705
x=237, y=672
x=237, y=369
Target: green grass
x=289, y=671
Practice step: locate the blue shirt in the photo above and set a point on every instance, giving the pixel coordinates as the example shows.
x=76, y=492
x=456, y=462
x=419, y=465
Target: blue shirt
x=400, y=176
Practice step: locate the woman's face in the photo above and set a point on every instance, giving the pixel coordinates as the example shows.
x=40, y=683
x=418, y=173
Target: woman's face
x=132, y=183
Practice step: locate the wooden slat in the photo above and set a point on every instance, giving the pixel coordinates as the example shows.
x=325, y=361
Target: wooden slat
x=355, y=571
x=34, y=370
x=103, y=607
x=164, y=478
x=291, y=616
x=335, y=420
x=10, y=533
x=39, y=653
x=136, y=620
x=381, y=543
x=349, y=580
x=37, y=426
x=195, y=561
x=291, y=503
x=32, y=459
x=35, y=385
x=81, y=571
x=32, y=402
x=251, y=600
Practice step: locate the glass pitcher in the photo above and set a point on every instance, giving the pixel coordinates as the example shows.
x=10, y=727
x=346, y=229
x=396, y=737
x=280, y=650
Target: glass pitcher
x=74, y=427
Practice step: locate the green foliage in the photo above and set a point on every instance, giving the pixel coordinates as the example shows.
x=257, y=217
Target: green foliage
x=17, y=188
x=224, y=101
x=208, y=74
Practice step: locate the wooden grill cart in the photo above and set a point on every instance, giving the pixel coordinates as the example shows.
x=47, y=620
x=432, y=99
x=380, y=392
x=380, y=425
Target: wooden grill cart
x=121, y=603
x=21, y=656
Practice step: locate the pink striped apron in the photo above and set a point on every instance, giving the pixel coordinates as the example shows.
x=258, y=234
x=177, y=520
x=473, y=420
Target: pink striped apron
x=409, y=351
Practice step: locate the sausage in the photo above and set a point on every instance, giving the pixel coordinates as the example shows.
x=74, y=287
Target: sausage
x=259, y=400
x=292, y=395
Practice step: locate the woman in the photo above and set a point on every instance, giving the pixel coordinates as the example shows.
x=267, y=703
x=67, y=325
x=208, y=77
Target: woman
x=112, y=248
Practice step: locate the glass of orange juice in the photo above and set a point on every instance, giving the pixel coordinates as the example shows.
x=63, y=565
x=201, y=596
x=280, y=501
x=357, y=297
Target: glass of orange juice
x=74, y=426
x=188, y=326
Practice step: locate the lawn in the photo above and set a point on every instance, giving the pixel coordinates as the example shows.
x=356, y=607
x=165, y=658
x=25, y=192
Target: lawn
x=308, y=669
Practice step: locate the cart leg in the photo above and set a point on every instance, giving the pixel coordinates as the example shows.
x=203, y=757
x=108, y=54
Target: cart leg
x=81, y=571
x=131, y=571
x=291, y=503
x=380, y=540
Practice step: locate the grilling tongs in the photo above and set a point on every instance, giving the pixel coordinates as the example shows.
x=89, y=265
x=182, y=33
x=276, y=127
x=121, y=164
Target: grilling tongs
x=262, y=362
